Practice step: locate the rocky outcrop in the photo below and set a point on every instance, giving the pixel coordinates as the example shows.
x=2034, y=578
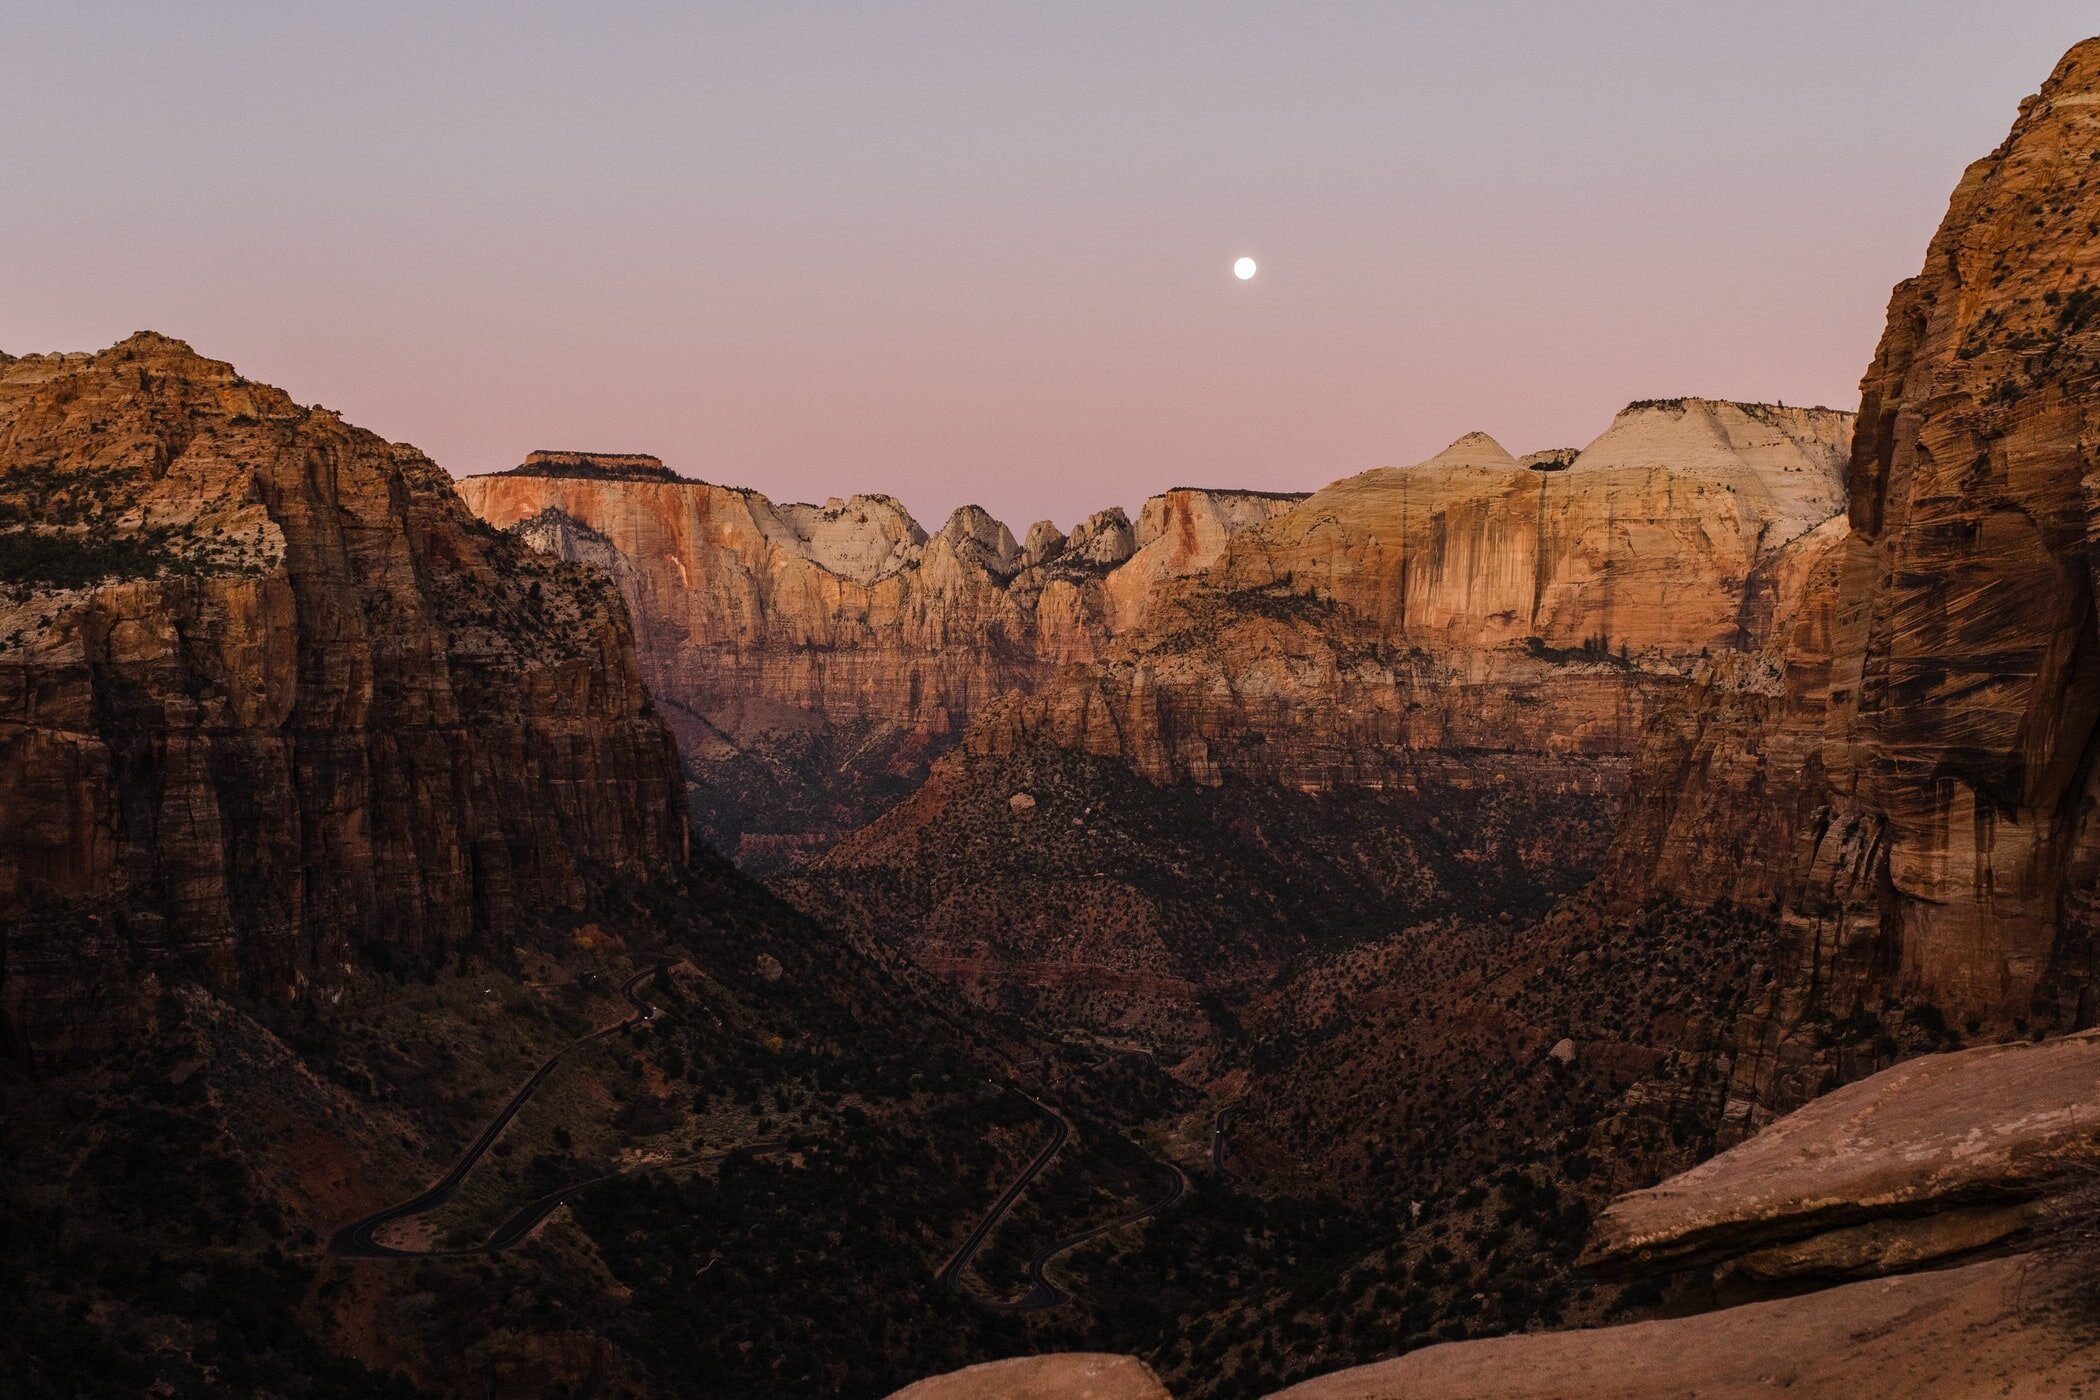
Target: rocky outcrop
x=1425, y=615
x=1880, y=1197
x=1059, y=1376
x=1937, y=1156
x=272, y=702
x=1182, y=533
x=1962, y=1334
x=1912, y=763
x=813, y=659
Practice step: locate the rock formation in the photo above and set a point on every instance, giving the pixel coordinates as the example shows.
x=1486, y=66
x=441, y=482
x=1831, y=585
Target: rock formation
x=1936, y=1157
x=1481, y=645
x=272, y=701
x=813, y=659
x=1409, y=617
x=1056, y=1376
x=1962, y=1334
x=1864, y=1197
x=1911, y=761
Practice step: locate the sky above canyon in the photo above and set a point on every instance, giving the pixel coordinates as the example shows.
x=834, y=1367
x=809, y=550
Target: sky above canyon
x=983, y=252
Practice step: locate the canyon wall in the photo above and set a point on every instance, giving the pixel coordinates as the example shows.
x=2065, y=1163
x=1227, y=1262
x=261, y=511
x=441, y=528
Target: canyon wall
x=272, y=701
x=1910, y=763
x=1418, y=694
x=1423, y=617
x=813, y=659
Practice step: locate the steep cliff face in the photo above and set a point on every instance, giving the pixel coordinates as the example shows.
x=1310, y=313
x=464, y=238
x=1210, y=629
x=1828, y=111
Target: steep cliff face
x=271, y=700
x=814, y=658
x=1913, y=760
x=1421, y=617
x=1448, y=668
x=1644, y=540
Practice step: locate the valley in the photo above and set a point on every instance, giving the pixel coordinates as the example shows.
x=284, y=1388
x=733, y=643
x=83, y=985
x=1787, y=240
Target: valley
x=585, y=930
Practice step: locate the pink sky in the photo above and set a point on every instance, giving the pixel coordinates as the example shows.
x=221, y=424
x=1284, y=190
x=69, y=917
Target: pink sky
x=980, y=252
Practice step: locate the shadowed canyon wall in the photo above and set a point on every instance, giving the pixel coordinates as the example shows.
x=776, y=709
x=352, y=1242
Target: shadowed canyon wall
x=271, y=700
x=813, y=659
x=1909, y=764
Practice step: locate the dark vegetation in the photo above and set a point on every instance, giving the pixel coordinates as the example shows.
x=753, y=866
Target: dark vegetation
x=594, y=466
x=1159, y=894
x=70, y=528
x=39, y=559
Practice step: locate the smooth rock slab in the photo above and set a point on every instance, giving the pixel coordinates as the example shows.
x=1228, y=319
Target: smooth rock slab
x=1988, y=1329
x=1995, y=1125
x=1066, y=1376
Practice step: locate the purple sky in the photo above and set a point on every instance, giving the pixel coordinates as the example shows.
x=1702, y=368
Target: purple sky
x=982, y=251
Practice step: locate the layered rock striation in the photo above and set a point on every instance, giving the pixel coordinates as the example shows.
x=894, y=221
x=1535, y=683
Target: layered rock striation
x=1911, y=762
x=1420, y=617
x=1416, y=694
x=272, y=701
x=813, y=658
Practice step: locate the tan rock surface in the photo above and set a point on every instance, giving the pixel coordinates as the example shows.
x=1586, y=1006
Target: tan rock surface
x=1462, y=606
x=1068, y=1376
x=1182, y=533
x=1645, y=541
x=1911, y=773
x=1985, y=1330
x=812, y=659
x=1994, y=1125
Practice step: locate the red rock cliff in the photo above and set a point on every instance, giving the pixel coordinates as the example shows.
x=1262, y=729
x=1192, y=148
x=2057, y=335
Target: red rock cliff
x=271, y=700
x=813, y=658
x=1914, y=767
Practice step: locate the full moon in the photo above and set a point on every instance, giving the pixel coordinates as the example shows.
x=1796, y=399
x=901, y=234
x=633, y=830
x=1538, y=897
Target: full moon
x=1243, y=269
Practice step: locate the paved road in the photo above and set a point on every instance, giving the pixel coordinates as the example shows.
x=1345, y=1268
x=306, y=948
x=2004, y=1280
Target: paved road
x=357, y=1240
x=1217, y=1142
x=1042, y=1293
x=951, y=1272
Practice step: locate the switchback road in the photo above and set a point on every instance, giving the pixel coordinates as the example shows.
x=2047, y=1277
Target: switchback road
x=358, y=1239
x=1042, y=1293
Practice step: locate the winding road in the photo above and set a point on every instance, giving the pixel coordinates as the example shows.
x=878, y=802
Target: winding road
x=358, y=1239
x=1042, y=1293
x=951, y=1272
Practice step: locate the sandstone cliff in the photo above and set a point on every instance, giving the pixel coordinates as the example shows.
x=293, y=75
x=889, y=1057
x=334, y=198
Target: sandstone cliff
x=1911, y=762
x=1418, y=617
x=813, y=658
x=272, y=701
x=1416, y=694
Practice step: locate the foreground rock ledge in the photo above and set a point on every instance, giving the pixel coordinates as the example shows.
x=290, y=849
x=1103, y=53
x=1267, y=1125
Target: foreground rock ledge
x=1951, y=1145
x=1989, y=1329
x=1071, y=1376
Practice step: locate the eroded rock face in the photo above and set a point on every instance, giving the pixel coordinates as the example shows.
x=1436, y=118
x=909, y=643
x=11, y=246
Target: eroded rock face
x=1913, y=764
x=1181, y=533
x=1645, y=541
x=1059, y=1376
x=1983, y=1330
x=1938, y=1155
x=1467, y=605
x=813, y=659
x=271, y=700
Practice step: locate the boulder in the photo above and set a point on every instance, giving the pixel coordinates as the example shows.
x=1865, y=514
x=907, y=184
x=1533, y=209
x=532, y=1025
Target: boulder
x=1936, y=1156
x=1986, y=1329
x=1067, y=1376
